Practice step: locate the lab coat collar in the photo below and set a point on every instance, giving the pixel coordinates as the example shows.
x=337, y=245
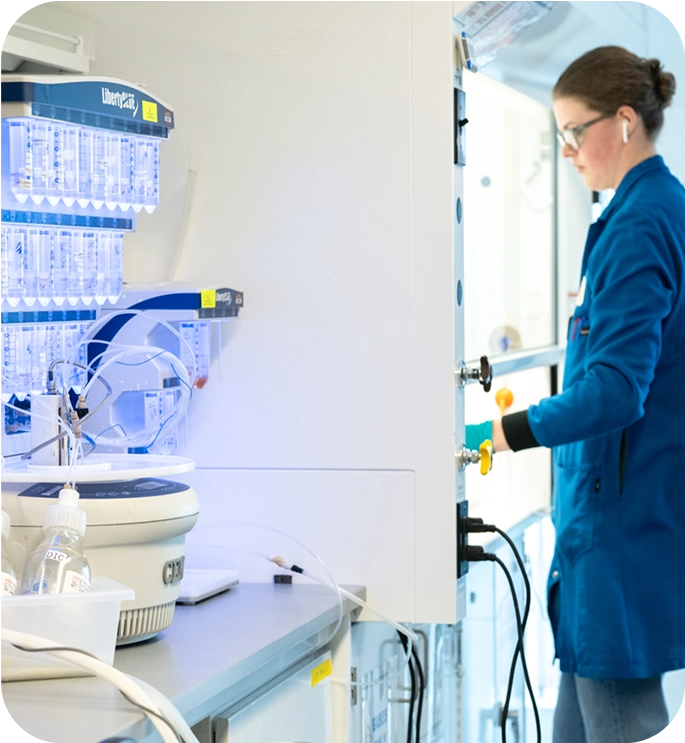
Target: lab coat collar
x=656, y=162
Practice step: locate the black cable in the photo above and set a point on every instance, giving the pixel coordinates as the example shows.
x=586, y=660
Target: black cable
x=519, y=650
x=476, y=525
x=412, y=676
x=422, y=687
x=520, y=641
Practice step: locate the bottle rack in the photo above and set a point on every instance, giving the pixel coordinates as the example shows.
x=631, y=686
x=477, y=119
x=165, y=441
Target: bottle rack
x=80, y=157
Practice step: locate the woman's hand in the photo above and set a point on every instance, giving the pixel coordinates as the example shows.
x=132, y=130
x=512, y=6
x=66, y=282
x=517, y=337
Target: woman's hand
x=499, y=441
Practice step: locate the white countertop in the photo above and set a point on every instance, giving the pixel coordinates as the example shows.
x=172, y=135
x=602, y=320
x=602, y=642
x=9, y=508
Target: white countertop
x=213, y=655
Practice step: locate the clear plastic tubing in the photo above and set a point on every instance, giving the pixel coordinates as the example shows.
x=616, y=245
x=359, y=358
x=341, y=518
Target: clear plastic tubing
x=55, y=185
x=71, y=164
x=21, y=168
x=42, y=248
x=152, y=181
x=86, y=166
x=89, y=248
x=102, y=266
x=113, y=169
x=63, y=252
x=76, y=265
x=12, y=263
x=126, y=171
x=40, y=137
x=116, y=266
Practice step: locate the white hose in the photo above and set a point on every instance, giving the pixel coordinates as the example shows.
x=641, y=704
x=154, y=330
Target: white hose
x=100, y=369
x=105, y=318
x=399, y=627
x=133, y=690
x=169, y=711
x=331, y=580
x=148, y=435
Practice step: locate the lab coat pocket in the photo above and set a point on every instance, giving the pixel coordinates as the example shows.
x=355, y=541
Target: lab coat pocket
x=576, y=492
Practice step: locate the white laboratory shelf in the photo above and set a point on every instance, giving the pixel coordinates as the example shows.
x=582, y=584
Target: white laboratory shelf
x=100, y=468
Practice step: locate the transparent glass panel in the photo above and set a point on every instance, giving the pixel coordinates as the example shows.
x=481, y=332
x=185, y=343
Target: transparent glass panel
x=508, y=220
x=518, y=484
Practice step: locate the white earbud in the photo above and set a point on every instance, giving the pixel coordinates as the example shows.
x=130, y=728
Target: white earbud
x=625, y=132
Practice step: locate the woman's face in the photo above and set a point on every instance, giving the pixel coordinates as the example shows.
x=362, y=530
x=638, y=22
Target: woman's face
x=600, y=144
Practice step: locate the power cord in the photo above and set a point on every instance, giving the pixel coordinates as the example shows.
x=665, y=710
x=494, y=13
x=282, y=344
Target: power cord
x=422, y=688
x=474, y=553
x=417, y=691
x=412, y=698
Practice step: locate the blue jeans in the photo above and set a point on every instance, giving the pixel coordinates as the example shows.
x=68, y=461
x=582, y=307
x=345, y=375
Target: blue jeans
x=608, y=711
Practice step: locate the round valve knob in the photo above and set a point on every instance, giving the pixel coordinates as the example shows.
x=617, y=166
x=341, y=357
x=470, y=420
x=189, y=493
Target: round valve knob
x=504, y=398
x=481, y=374
x=472, y=456
x=485, y=373
x=485, y=450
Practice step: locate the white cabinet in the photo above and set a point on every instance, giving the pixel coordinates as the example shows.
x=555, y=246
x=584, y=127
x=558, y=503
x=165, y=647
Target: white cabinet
x=298, y=709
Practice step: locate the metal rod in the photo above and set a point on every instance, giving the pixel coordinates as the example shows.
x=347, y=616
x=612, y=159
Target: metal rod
x=522, y=360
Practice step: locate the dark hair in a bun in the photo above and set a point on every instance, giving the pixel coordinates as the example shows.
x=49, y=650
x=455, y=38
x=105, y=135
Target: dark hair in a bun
x=664, y=82
x=609, y=77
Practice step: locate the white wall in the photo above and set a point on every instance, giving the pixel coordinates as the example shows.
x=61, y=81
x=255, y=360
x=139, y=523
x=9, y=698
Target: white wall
x=320, y=136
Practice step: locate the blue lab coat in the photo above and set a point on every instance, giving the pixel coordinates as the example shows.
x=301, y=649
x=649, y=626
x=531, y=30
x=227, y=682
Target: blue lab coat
x=617, y=581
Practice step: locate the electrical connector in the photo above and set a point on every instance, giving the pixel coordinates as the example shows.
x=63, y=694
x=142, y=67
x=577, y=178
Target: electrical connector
x=466, y=525
x=462, y=538
x=475, y=525
x=475, y=553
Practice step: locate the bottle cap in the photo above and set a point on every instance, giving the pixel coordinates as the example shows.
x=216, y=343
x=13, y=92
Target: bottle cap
x=5, y=525
x=66, y=513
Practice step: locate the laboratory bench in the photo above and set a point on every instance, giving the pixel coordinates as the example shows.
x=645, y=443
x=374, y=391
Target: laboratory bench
x=214, y=655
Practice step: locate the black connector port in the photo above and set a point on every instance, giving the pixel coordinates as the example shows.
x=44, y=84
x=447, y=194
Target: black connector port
x=462, y=538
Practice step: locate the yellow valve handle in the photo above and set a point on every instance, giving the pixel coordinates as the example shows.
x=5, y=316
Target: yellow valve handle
x=485, y=457
x=504, y=398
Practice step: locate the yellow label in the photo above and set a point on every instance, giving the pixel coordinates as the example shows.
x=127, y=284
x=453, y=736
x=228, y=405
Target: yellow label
x=208, y=298
x=149, y=111
x=321, y=671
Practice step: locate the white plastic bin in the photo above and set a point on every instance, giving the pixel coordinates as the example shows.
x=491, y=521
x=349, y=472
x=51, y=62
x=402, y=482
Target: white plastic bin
x=87, y=621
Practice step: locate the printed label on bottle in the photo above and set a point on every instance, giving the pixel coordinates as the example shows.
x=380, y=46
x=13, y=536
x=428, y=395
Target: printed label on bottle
x=56, y=555
x=9, y=585
x=75, y=583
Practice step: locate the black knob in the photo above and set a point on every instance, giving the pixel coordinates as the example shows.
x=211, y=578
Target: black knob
x=485, y=373
x=463, y=122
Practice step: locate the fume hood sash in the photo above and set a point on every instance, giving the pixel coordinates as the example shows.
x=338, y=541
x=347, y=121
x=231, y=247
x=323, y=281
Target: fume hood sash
x=489, y=27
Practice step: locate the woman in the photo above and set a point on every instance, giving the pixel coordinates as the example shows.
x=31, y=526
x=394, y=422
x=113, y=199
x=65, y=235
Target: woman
x=616, y=590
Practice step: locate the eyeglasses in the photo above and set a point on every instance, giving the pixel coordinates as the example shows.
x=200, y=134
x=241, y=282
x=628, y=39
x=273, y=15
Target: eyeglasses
x=574, y=136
